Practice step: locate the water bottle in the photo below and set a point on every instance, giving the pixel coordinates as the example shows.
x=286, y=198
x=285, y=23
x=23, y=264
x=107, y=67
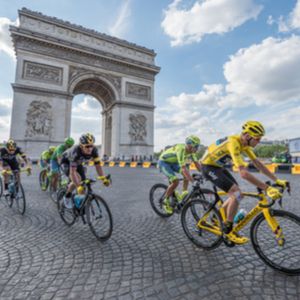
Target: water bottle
x=78, y=200
x=11, y=188
x=239, y=216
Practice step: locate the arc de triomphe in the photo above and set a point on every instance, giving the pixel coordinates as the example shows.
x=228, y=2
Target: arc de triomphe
x=57, y=60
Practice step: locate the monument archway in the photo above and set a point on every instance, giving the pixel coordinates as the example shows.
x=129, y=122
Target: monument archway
x=57, y=60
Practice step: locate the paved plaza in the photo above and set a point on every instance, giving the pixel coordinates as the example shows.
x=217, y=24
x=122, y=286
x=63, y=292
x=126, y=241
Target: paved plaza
x=146, y=258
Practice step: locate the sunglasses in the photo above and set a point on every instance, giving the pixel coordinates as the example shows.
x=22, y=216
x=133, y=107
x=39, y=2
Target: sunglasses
x=88, y=146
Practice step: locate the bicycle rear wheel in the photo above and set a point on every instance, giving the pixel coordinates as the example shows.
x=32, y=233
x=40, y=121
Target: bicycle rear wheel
x=284, y=258
x=157, y=196
x=192, y=212
x=99, y=217
x=43, y=180
x=66, y=214
x=19, y=201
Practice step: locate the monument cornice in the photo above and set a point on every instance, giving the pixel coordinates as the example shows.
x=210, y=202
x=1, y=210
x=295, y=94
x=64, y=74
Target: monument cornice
x=41, y=91
x=53, y=20
x=17, y=32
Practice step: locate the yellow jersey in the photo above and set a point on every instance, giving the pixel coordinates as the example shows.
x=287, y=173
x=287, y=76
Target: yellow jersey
x=225, y=150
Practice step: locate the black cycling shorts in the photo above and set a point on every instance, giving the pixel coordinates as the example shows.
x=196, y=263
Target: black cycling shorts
x=12, y=163
x=220, y=177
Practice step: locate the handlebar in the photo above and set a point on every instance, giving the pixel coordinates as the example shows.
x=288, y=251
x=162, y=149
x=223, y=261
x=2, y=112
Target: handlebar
x=10, y=172
x=90, y=180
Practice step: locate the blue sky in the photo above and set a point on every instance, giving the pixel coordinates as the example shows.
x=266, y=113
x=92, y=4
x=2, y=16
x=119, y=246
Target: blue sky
x=222, y=62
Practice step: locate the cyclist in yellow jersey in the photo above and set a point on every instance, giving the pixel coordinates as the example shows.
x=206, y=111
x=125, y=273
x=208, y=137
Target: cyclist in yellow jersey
x=174, y=160
x=231, y=148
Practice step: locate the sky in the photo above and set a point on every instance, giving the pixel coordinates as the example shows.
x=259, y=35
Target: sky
x=223, y=62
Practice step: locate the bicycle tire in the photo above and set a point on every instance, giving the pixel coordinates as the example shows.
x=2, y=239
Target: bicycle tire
x=43, y=174
x=66, y=214
x=97, y=209
x=288, y=253
x=192, y=212
x=157, y=202
x=20, y=202
x=1, y=187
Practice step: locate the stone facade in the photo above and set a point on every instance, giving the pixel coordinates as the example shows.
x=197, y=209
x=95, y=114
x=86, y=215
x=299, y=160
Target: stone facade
x=57, y=60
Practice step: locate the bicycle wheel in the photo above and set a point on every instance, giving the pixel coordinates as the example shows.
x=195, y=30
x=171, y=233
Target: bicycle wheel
x=19, y=201
x=66, y=214
x=43, y=180
x=284, y=258
x=157, y=195
x=1, y=186
x=99, y=217
x=191, y=214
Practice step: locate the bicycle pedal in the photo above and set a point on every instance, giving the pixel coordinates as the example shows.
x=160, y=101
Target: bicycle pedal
x=227, y=242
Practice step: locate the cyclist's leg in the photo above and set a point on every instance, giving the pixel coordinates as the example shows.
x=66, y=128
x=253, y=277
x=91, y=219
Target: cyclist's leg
x=6, y=167
x=169, y=170
x=54, y=173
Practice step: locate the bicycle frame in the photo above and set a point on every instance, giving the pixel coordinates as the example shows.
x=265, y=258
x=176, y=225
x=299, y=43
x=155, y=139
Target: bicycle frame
x=263, y=206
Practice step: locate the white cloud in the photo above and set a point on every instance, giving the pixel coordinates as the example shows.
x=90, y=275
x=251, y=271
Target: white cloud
x=5, y=39
x=122, y=23
x=264, y=73
x=263, y=83
x=186, y=26
x=289, y=23
x=5, y=115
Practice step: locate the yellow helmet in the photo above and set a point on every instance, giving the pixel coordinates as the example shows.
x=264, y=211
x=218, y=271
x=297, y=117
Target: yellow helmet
x=11, y=144
x=87, y=139
x=254, y=128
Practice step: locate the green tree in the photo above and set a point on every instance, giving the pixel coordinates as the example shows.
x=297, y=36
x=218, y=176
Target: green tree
x=268, y=151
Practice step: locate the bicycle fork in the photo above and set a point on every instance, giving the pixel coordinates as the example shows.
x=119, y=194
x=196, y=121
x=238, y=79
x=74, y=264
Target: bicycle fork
x=275, y=227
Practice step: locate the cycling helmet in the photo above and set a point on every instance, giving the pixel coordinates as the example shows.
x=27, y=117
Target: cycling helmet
x=87, y=139
x=192, y=140
x=11, y=144
x=254, y=129
x=51, y=149
x=69, y=141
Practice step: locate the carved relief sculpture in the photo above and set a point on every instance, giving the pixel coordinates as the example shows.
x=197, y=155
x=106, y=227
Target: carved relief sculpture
x=39, y=119
x=42, y=72
x=137, y=128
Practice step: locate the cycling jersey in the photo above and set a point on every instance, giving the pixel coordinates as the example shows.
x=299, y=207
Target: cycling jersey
x=59, y=151
x=225, y=150
x=6, y=156
x=46, y=156
x=177, y=155
x=75, y=156
x=10, y=159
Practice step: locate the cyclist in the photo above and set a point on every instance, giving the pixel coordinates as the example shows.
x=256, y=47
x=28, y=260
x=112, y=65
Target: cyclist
x=174, y=160
x=45, y=160
x=56, y=160
x=9, y=161
x=72, y=164
x=231, y=148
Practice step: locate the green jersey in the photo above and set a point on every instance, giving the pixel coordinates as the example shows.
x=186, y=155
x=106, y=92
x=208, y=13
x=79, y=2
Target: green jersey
x=46, y=155
x=177, y=155
x=59, y=151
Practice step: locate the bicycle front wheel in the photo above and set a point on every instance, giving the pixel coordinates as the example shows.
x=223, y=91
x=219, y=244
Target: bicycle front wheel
x=99, y=217
x=203, y=237
x=157, y=196
x=285, y=257
x=20, y=201
x=66, y=214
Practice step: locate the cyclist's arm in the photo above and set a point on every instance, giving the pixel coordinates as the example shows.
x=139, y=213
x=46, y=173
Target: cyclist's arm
x=182, y=163
x=98, y=167
x=186, y=173
x=245, y=174
x=263, y=169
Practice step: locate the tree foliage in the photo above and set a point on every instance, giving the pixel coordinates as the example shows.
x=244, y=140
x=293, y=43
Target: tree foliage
x=268, y=151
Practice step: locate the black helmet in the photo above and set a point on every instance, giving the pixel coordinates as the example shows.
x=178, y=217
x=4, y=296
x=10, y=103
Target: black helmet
x=87, y=139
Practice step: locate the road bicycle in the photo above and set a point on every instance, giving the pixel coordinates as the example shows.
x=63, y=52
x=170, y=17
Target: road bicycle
x=16, y=195
x=275, y=233
x=93, y=211
x=45, y=180
x=158, y=193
